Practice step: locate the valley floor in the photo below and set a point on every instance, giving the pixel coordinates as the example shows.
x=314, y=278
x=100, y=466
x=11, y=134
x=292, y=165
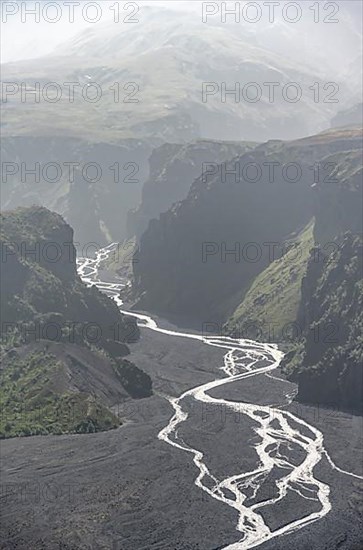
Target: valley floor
x=127, y=490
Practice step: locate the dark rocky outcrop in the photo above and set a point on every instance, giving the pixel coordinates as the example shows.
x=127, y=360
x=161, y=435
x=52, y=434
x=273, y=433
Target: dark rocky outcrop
x=173, y=168
x=91, y=184
x=330, y=368
x=40, y=283
x=330, y=356
x=62, y=343
x=184, y=265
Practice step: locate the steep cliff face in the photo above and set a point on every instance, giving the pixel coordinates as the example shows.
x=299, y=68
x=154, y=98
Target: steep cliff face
x=36, y=236
x=332, y=312
x=92, y=184
x=311, y=298
x=62, y=344
x=338, y=196
x=332, y=291
x=40, y=278
x=272, y=302
x=269, y=309
x=173, y=169
x=201, y=256
x=327, y=362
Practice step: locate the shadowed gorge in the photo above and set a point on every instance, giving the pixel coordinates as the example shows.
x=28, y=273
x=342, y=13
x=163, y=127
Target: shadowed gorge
x=181, y=296
x=201, y=256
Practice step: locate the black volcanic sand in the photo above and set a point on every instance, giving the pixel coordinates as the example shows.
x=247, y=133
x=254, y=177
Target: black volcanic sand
x=255, y=389
x=126, y=490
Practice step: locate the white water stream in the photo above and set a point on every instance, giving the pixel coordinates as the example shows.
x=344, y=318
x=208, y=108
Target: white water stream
x=281, y=434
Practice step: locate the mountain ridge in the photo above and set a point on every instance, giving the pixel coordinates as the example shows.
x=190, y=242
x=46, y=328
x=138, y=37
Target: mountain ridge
x=63, y=345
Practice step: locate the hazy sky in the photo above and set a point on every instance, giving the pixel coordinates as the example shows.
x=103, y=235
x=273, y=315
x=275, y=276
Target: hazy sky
x=25, y=40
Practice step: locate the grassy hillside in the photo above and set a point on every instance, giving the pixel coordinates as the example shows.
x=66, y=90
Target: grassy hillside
x=271, y=304
x=328, y=362
x=185, y=266
x=35, y=400
x=62, y=344
x=54, y=388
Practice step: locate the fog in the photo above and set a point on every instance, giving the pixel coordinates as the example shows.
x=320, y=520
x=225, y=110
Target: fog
x=327, y=43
